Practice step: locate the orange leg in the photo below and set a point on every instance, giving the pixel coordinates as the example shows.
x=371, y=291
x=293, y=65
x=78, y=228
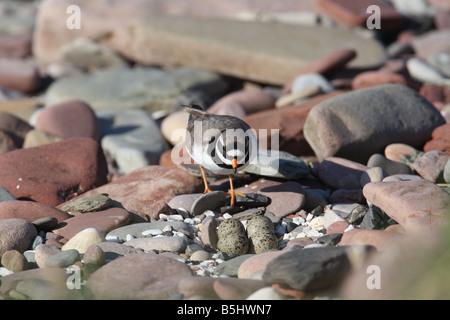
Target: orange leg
x=232, y=192
x=205, y=182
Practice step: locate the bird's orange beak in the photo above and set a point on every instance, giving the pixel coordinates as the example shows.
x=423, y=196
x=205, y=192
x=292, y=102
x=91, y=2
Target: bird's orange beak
x=234, y=165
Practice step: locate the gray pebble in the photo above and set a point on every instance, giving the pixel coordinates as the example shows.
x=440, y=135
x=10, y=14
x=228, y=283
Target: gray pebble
x=208, y=201
x=389, y=167
x=92, y=203
x=62, y=259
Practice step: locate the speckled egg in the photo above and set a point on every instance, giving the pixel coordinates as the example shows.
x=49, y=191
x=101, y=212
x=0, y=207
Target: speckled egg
x=260, y=242
x=259, y=224
x=233, y=243
x=230, y=225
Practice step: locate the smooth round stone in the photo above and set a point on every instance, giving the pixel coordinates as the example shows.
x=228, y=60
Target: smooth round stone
x=374, y=174
x=395, y=151
x=74, y=164
x=256, y=263
x=388, y=166
x=95, y=202
x=200, y=255
x=440, y=61
x=424, y=72
x=45, y=223
x=286, y=198
x=402, y=177
x=35, y=138
x=37, y=241
x=447, y=172
x=5, y=195
x=137, y=276
x=94, y=255
x=313, y=79
x=242, y=102
x=174, y=244
x=431, y=165
x=373, y=78
x=16, y=234
x=195, y=286
x=113, y=250
x=440, y=139
x=183, y=201
x=409, y=203
x=298, y=96
x=62, y=259
x=14, y=261
x=208, y=201
x=209, y=233
x=371, y=122
x=173, y=127
x=267, y=293
x=230, y=267
x=83, y=240
x=69, y=119
x=42, y=252
x=151, y=89
x=239, y=289
x=30, y=211
x=103, y=221
x=125, y=137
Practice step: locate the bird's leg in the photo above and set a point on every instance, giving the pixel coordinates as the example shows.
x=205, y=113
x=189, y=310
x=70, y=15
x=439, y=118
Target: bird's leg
x=232, y=192
x=205, y=182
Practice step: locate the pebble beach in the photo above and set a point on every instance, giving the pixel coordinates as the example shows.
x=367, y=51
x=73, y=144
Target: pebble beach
x=348, y=198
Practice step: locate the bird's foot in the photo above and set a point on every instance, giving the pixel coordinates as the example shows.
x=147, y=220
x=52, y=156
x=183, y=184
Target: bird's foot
x=233, y=194
x=207, y=190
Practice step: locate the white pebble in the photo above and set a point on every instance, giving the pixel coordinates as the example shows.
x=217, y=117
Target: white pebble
x=5, y=272
x=129, y=237
x=189, y=221
x=209, y=213
x=309, y=217
x=227, y=216
x=162, y=216
x=112, y=238
x=152, y=232
x=183, y=210
x=179, y=234
x=197, y=220
x=350, y=227
x=298, y=220
x=175, y=217
x=314, y=245
x=317, y=223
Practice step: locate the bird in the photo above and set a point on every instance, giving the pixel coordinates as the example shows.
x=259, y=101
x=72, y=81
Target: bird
x=222, y=144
